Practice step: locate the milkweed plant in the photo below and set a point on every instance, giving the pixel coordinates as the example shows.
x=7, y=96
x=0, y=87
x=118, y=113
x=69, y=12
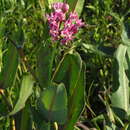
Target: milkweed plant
x=50, y=93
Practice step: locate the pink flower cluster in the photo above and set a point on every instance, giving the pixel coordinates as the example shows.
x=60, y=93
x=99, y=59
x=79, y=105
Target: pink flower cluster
x=61, y=27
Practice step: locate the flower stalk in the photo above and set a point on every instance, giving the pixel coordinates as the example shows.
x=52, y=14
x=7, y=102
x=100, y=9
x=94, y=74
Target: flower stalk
x=63, y=26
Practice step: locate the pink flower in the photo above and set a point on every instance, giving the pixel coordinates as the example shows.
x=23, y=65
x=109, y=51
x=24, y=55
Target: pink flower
x=60, y=7
x=79, y=23
x=73, y=15
x=65, y=7
x=63, y=29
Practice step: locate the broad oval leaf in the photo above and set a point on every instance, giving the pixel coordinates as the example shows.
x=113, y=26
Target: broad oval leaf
x=68, y=71
x=53, y=104
x=120, y=96
x=44, y=65
x=10, y=65
x=71, y=71
x=25, y=92
x=77, y=101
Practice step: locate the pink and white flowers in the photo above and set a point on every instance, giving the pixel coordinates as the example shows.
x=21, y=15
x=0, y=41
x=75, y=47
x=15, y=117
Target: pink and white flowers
x=63, y=28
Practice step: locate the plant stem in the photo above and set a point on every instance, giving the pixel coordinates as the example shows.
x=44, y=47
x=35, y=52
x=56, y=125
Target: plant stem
x=13, y=124
x=82, y=126
x=53, y=76
x=56, y=126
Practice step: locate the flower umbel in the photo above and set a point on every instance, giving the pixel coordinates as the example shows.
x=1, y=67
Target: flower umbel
x=61, y=27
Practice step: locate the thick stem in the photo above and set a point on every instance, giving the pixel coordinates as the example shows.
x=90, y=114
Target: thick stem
x=12, y=124
x=53, y=76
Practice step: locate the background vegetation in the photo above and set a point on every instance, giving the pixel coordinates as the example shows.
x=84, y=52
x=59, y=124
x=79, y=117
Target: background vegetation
x=103, y=45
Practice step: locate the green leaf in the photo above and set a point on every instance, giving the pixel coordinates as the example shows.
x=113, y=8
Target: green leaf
x=53, y=1
x=76, y=101
x=53, y=104
x=44, y=65
x=71, y=72
x=128, y=62
x=68, y=71
x=120, y=96
x=125, y=26
x=26, y=122
x=100, y=50
x=76, y=5
x=10, y=65
x=43, y=3
x=25, y=92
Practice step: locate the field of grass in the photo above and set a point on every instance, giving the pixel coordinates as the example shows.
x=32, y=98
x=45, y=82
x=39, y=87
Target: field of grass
x=83, y=84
